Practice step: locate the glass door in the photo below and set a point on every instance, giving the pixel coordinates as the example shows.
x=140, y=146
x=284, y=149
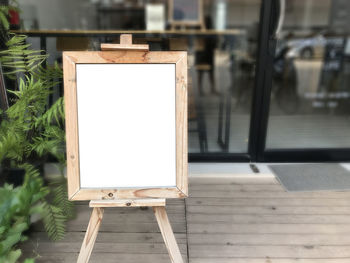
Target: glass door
x=222, y=80
x=222, y=40
x=307, y=103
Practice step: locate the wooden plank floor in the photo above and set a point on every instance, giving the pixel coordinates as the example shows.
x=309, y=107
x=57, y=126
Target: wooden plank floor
x=126, y=235
x=225, y=220
x=254, y=220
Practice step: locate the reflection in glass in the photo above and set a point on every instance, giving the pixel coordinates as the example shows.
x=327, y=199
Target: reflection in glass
x=222, y=78
x=310, y=92
x=222, y=56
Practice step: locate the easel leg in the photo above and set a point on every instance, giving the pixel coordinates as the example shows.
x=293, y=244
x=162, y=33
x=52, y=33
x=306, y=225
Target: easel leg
x=91, y=234
x=168, y=234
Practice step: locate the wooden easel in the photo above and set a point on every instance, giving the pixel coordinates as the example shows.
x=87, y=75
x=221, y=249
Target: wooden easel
x=157, y=204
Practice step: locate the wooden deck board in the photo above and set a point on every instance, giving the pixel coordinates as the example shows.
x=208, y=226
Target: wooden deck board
x=105, y=258
x=268, y=260
x=258, y=221
x=225, y=220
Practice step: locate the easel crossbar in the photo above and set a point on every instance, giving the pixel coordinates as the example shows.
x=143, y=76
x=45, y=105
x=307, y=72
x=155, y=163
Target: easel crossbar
x=128, y=202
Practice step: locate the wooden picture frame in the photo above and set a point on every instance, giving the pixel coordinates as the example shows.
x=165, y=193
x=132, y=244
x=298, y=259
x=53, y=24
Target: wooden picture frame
x=199, y=21
x=70, y=61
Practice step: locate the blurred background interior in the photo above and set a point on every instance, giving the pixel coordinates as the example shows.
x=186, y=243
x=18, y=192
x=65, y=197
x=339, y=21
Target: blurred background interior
x=265, y=84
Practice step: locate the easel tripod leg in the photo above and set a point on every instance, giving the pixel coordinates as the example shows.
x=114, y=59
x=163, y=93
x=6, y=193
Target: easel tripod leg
x=91, y=234
x=168, y=234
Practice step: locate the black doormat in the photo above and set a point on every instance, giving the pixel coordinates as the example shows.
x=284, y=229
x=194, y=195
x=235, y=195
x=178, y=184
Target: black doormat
x=312, y=177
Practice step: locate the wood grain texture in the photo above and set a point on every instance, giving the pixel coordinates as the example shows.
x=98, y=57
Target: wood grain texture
x=123, y=193
x=281, y=228
x=70, y=59
x=181, y=126
x=90, y=235
x=70, y=102
x=111, y=47
x=125, y=44
x=168, y=235
x=256, y=220
x=127, y=202
x=160, y=214
x=122, y=220
x=127, y=56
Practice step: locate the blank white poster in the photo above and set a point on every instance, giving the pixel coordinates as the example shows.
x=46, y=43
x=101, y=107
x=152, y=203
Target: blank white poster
x=126, y=123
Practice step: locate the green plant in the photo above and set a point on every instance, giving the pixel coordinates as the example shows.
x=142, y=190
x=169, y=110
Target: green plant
x=28, y=131
x=16, y=207
x=31, y=129
x=17, y=58
x=4, y=23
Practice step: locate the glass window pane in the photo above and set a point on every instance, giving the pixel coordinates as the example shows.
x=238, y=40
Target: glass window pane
x=310, y=91
x=221, y=52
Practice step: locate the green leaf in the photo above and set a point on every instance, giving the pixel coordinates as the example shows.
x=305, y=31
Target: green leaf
x=3, y=19
x=19, y=58
x=13, y=256
x=54, y=222
x=30, y=127
x=60, y=197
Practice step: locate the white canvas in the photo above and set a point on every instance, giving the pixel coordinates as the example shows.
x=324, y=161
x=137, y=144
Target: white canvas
x=126, y=122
